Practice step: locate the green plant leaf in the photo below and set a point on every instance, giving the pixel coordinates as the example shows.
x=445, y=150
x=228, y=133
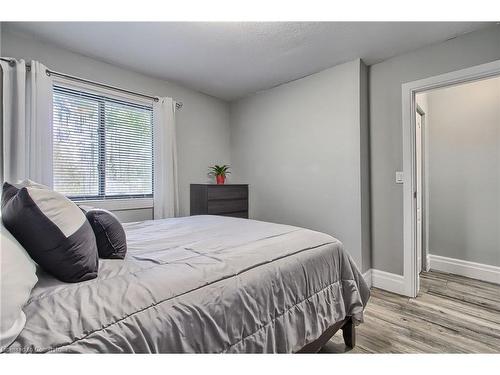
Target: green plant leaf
x=219, y=170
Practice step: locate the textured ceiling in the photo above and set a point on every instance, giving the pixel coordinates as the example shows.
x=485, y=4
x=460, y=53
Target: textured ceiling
x=231, y=60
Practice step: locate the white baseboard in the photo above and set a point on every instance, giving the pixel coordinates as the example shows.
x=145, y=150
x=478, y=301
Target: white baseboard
x=385, y=280
x=368, y=277
x=473, y=270
x=388, y=281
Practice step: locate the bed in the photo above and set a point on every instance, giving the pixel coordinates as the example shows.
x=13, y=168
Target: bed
x=203, y=284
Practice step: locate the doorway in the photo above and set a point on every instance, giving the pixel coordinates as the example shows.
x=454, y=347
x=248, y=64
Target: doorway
x=414, y=170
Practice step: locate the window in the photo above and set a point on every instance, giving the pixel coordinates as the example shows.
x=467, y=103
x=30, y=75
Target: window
x=103, y=147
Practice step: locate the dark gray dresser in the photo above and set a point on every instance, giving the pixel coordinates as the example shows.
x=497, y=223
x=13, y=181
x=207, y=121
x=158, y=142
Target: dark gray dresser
x=225, y=200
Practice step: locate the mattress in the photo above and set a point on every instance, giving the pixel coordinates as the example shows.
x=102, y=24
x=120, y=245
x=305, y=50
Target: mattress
x=200, y=284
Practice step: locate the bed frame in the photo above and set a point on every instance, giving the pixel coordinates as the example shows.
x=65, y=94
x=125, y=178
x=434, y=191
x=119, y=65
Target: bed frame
x=348, y=332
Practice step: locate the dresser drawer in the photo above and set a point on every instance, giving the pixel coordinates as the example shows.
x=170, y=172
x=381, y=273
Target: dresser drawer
x=215, y=207
x=227, y=192
x=226, y=200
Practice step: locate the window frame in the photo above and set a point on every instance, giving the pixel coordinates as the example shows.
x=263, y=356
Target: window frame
x=118, y=202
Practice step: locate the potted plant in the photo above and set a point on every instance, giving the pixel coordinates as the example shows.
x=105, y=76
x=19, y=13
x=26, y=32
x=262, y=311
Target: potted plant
x=220, y=172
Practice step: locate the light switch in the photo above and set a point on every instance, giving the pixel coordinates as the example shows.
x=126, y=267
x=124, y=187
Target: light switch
x=399, y=177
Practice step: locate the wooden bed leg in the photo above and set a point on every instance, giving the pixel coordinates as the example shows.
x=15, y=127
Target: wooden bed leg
x=349, y=334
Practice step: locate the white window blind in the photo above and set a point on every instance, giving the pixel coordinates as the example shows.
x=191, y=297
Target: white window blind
x=103, y=147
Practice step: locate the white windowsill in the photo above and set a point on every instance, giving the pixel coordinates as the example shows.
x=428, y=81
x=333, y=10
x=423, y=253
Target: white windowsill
x=118, y=204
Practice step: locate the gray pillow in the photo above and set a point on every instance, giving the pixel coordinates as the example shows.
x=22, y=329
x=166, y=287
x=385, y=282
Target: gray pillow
x=53, y=230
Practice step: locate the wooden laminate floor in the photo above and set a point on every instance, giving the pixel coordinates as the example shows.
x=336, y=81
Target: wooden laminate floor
x=452, y=314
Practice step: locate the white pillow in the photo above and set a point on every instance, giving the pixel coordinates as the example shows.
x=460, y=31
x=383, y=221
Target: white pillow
x=17, y=279
x=30, y=183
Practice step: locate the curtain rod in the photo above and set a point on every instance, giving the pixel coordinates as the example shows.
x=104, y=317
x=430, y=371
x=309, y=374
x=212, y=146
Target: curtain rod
x=178, y=105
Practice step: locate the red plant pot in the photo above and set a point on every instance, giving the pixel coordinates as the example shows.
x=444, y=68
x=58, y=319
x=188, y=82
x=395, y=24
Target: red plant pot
x=220, y=180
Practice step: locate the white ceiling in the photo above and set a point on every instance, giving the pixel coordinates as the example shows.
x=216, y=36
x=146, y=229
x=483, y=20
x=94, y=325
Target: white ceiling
x=231, y=60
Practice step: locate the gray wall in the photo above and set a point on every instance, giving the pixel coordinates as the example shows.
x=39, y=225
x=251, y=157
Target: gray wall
x=364, y=152
x=202, y=123
x=1, y=114
x=298, y=136
x=386, y=146
x=299, y=146
x=464, y=172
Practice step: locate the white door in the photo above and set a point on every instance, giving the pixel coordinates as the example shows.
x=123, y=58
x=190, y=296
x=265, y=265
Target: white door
x=419, y=150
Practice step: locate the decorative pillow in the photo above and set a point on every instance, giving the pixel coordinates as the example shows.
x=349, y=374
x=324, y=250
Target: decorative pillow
x=108, y=231
x=53, y=230
x=30, y=183
x=17, y=279
x=9, y=190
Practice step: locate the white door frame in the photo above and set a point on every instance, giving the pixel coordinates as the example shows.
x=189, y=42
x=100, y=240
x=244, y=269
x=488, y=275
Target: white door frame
x=409, y=90
x=420, y=193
